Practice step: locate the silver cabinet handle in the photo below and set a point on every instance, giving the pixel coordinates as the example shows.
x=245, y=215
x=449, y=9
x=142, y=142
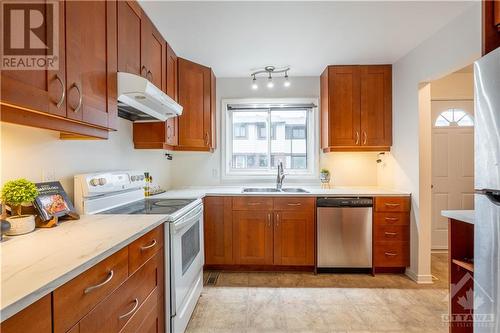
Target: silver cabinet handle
x=392, y=204
x=168, y=131
x=254, y=203
x=144, y=70
x=391, y=233
x=357, y=137
x=277, y=220
x=294, y=204
x=63, y=91
x=136, y=304
x=206, y=139
x=97, y=286
x=269, y=220
x=147, y=247
x=365, y=137
x=80, y=99
x=391, y=254
x=149, y=74
x=392, y=219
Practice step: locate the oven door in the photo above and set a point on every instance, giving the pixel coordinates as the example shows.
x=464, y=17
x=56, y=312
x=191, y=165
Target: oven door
x=186, y=260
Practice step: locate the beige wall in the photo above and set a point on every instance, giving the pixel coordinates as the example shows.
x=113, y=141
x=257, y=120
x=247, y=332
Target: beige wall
x=36, y=154
x=456, y=86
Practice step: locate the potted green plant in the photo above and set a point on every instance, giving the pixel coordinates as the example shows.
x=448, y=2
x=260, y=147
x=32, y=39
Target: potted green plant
x=324, y=175
x=15, y=194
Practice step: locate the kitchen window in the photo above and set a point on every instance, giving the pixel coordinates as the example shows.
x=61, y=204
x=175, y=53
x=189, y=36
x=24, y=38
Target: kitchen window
x=260, y=135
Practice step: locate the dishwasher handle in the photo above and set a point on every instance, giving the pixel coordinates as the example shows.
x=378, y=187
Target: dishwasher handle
x=344, y=202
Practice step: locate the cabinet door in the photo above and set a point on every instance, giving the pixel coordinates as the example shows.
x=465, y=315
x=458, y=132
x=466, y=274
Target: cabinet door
x=218, y=228
x=129, y=37
x=90, y=41
x=36, y=318
x=172, y=124
x=376, y=105
x=153, y=53
x=496, y=7
x=195, y=96
x=294, y=238
x=253, y=237
x=39, y=90
x=344, y=109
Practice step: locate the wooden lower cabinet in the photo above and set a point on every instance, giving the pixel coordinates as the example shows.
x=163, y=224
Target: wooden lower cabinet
x=294, y=238
x=259, y=231
x=36, y=318
x=218, y=231
x=253, y=237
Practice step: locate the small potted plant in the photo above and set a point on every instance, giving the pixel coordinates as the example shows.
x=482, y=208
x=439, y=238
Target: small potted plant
x=15, y=194
x=324, y=175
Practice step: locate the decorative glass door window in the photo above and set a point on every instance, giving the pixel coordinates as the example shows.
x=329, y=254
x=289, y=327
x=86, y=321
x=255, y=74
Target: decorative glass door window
x=454, y=118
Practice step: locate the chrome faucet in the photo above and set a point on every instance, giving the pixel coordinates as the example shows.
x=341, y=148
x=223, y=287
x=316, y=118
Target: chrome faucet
x=280, y=177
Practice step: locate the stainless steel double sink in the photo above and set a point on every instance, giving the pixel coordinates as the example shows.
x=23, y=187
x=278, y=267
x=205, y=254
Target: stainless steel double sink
x=273, y=190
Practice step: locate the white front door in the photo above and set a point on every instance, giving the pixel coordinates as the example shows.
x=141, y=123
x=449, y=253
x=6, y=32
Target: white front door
x=452, y=163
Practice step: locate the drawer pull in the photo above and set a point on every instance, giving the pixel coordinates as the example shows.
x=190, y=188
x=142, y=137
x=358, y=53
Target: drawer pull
x=269, y=220
x=97, y=286
x=392, y=204
x=147, y=247
x=391, y=254
x=392, y=219
x=254, y=203
x=295, y=204
x=136, y=301
x=391, y=233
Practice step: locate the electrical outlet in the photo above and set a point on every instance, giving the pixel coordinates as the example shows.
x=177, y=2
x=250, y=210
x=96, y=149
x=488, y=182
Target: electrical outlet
x=48, y=175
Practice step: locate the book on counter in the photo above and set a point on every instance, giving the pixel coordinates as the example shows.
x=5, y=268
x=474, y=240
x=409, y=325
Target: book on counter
x=52, y=201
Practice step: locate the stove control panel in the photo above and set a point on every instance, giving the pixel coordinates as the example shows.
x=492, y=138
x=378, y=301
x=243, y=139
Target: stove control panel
x=107, y=182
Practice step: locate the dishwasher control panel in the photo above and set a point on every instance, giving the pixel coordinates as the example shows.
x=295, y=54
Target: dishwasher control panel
x=344, y=202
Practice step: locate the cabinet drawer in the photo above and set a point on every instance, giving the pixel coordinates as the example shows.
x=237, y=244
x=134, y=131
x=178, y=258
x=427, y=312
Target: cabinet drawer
x=114, y=312
x=146, y=318
x=294, y=203
x=391, y=233
x=144, y=248
x=77, y=297
x=391, y=254
x=392, y=204
x=391, y=219
x=252, y=203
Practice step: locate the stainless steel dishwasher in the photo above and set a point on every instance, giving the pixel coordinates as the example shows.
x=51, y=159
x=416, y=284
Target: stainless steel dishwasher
x=344, y=234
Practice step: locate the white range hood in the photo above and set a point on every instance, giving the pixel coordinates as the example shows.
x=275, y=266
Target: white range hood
x=141, y=100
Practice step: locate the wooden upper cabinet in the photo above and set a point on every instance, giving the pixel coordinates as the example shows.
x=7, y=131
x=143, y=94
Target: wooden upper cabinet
x=356, y=108
x=153, y=54
x=218, y=230
x=91, y=61
x=172, y=128
x=376, y=106
x=253, y=237
x=36, y=318
x=196, y=84
x=491, y=25
x=129, y=37
x=38, y=90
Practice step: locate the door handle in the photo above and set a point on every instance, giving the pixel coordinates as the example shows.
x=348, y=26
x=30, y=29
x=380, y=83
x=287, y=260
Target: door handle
x=206, y=138
x=136, y=304
x=294, y=204
x=392, y=204
x=391, y=254
x=392, y=219
x=277, y=220
x=89, y=289
x=365, y=137
x=357, y=137
x=392, y=234
x=63, y=91
x=80, y=99
x=147, y=247
x=144, y=70
x=148, y=74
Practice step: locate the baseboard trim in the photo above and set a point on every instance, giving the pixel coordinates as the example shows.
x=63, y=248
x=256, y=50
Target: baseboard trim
x=420, y=279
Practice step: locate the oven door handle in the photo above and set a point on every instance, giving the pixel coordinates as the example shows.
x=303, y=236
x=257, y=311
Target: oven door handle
x=188, y=220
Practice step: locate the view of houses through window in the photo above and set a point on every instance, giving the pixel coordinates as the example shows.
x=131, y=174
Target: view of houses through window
x=261, y=138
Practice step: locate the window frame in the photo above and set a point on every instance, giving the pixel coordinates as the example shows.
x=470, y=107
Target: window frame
x=312, y=137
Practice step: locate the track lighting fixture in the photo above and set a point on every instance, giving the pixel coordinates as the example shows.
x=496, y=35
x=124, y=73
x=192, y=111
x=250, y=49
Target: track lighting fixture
x=270, y=70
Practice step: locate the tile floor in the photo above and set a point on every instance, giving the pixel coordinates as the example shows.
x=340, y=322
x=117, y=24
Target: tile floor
x=303, y=302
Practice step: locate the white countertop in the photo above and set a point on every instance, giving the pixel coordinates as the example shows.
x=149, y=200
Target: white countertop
x=35, y=264
x=459, y=215
x=315, y=191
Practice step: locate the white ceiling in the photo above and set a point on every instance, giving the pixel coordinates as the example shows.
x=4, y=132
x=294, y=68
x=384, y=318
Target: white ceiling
x=235, y=37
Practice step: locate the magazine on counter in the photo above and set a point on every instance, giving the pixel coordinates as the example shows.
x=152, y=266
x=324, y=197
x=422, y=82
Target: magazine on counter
x=52, y=201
